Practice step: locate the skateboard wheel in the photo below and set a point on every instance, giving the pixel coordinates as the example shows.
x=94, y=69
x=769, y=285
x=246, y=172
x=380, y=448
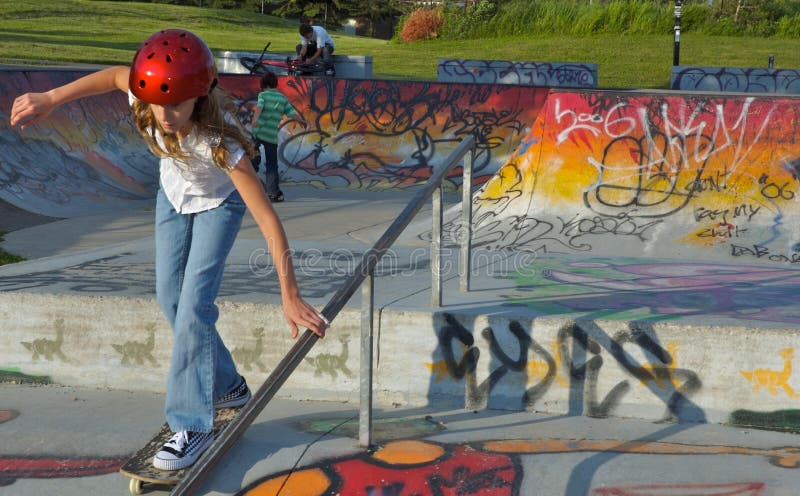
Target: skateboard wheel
x=135, y=486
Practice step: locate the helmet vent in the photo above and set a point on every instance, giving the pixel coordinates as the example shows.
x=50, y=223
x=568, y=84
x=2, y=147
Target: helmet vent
x=142, y=84
x=165, y=88
x=151, y=55
x=169, y=59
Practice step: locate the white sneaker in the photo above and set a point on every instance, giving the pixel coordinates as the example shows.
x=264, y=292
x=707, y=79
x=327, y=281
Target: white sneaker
x=182, y=450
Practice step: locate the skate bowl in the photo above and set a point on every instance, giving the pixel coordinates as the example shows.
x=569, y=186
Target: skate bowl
x=646, y=241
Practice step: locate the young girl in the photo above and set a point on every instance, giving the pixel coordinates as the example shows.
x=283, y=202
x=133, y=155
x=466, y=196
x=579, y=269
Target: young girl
x=206, y=182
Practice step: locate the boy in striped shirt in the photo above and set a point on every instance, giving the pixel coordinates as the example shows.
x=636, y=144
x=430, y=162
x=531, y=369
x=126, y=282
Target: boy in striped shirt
x=271, y=108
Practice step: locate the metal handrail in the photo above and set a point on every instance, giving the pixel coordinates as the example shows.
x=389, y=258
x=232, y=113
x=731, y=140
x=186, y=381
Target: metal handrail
x=364, y=271
x=433, y=189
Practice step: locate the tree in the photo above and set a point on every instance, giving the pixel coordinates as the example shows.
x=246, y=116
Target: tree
x=328, y=13
x=374, y=11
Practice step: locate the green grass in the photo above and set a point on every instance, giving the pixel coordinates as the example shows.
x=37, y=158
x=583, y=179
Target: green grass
x=108, y=33
x=6, y=257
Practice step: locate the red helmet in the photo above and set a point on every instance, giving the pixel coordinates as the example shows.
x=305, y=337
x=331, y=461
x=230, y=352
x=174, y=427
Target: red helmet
x=172, y=66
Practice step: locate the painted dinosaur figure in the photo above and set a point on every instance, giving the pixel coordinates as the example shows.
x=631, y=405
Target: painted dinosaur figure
x=50, y=349
x=774, y=379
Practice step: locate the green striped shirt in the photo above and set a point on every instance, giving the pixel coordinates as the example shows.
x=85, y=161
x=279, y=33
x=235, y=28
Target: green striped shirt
x=273, y=107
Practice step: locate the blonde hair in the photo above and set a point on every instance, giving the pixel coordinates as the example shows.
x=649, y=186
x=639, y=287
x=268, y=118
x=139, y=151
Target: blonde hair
x=208, y=117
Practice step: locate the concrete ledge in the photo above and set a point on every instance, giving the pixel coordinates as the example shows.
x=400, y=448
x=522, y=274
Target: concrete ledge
x=347, y=66
x=545, y=74
x=595, y=368
x=735, y=79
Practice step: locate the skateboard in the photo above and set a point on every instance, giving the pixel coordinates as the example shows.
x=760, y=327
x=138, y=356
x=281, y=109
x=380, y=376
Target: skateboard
x=140, y=467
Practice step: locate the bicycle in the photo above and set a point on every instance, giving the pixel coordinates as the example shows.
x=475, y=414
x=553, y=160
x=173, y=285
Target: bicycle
x=288, y=67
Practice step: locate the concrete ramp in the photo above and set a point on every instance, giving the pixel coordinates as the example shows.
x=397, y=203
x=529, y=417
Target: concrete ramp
x=661, y=175
x=86, y=159
x=596, y=211
x=377, y=135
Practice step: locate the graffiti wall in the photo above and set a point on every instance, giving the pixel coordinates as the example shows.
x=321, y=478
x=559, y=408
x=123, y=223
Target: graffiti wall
x=656, y=175
x=563, y=172
x=391, y=134
x=87, y=156
x=736, y=79
x=543, y=74
x=612, y=369
x=85, y=159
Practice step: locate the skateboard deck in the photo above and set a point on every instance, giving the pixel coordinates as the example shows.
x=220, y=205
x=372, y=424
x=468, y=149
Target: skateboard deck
x=140, y=467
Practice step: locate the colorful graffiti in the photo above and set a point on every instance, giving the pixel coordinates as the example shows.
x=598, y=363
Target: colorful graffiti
x=491, y=468
x=392, y=134
x=401, y=468
x=542, y=74
x=86, y=158
x=668, y=176
x=14, y=467
x=523, y=366
x=662, y=175
x=732, y=489
x=737, y=79
x=657, y=290
x=362, y=134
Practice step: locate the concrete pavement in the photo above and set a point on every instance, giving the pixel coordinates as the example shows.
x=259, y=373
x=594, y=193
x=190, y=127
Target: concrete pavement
x=580, y=362
x=69, y=441
x=81, y=325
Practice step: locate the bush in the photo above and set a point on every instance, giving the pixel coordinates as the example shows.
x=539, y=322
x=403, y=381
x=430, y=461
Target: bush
x=470, y=22
x=510, y=18
x=789, y=27
x=422, y=24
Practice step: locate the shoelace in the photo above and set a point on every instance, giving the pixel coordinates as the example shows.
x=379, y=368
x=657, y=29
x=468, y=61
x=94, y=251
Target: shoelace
x=178, y=440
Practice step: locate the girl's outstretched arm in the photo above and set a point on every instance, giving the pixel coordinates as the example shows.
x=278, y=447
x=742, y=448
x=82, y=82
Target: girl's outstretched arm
x=296, y=310
x=33, y=107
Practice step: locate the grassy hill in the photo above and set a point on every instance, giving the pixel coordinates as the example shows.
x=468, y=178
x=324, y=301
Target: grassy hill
x=109, y=32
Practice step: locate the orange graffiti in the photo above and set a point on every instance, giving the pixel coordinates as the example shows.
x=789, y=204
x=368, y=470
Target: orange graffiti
x=402, y=468
x=409, y=453
x=732, y=489
x=309, y=482
x=774, y=379
x=781, y=457
x=651, y=370
x=539, y=369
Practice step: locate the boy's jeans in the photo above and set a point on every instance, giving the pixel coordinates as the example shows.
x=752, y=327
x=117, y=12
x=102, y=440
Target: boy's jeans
x=190, y=257
x=270, y=161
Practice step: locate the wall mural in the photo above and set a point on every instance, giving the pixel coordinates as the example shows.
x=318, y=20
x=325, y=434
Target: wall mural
x=361, y=134
x=509, y=367
x=576, y=360
x=662, y=175
x=85, y=159
x=392, y=134
x=667, y=176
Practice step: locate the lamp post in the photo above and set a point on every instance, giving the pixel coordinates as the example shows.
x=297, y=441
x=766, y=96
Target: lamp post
x=676, y=51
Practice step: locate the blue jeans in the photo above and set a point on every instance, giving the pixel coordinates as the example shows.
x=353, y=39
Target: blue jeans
x=270, y=161
x=190, y=257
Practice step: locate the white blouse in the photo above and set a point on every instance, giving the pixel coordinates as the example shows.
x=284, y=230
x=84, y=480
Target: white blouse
x=196, y=184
